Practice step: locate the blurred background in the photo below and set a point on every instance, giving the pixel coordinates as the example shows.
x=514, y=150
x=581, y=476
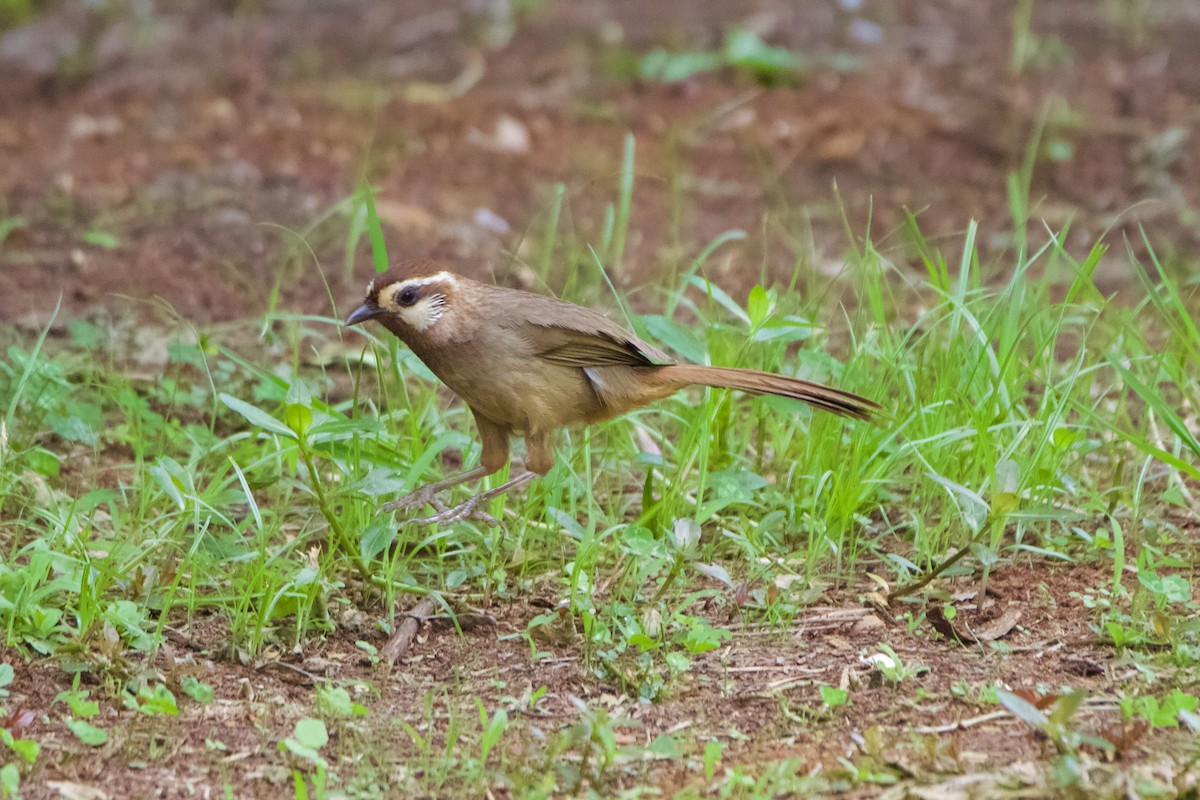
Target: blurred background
x=210, y=153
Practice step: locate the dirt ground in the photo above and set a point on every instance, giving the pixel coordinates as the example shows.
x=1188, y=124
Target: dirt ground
x=192, y=134
x=740, y=694
x=201, y=136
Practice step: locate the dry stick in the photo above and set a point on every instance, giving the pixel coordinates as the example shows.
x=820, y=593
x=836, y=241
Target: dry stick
x=962, y=724
x=398, y=645
x=1098, y=704
x=928, y=579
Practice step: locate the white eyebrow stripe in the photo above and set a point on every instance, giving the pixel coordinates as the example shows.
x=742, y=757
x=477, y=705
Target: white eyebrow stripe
x=441, y=277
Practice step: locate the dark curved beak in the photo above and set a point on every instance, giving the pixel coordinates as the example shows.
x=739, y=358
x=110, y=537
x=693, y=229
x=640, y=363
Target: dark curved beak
x=363, y=313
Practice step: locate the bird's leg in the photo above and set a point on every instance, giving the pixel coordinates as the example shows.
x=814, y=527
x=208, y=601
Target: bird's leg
x=472, y=506
x=493, y=458
x=427, y=494
x=539, y=457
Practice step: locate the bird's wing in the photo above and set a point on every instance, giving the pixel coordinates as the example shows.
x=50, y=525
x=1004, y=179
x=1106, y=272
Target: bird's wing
x=573, y=336
x=574, y=348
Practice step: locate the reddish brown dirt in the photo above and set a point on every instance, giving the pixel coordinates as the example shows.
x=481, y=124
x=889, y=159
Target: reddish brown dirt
x=194, y=134
x=737, y=694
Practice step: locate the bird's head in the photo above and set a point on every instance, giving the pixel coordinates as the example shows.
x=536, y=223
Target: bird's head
x=409, y=298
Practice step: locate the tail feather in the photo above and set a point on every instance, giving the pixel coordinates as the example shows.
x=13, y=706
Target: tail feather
x=753, y=381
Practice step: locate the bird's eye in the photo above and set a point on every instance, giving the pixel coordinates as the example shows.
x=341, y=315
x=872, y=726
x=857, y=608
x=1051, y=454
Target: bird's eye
x=406, y=297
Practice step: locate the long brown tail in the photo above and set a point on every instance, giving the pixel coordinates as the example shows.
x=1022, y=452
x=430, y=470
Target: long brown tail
x=753, y=381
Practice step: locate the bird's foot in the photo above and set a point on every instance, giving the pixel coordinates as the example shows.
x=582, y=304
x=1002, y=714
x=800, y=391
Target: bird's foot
x=471, y=508
x=468, y=509
x=444, y=514
x=426, y=495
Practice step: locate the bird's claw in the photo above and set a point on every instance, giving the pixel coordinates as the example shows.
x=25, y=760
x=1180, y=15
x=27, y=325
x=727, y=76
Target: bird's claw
x=412, y=500
x=471, y=508
x=468, y=509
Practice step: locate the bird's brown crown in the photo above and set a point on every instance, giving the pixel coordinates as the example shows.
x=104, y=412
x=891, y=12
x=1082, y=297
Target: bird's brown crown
x=404, y=271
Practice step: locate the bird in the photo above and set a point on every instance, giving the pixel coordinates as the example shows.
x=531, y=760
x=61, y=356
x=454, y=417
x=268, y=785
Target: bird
x=528, y=365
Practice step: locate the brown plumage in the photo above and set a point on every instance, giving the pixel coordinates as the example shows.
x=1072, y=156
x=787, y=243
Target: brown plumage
x=527, y=364
x=754, y=381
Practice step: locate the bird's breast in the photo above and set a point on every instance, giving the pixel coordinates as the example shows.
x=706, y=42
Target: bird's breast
x=503, y=380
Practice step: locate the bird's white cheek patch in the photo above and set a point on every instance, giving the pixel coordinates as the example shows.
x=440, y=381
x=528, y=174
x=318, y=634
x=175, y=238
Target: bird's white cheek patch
x=423, y=315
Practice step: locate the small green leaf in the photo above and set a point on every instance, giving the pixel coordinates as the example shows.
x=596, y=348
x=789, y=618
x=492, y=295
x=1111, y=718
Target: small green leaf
x=72, y=429
x=153, y=700
x=43, y=462
x=641, y=543
x=1006, y=481
x=27, y=749
x=303, y=751
x=1063, y=437
x=712, y=755
x=1022, y=709
x=972, y=508
x=1176, y=589
x=833, y=697
x=85, y=334
x=257, y=416
x=337, y=701
x=197, y=690
x=311, y=733
x=1066, y=706
x=702, y=637
x=683, y=340
x=7, y=226
x=716, y=572
x=643, y=642
x=130, y=620
x=744, y=48
x=77, y=701
x=299, y=418
x=758, y=306
x=491, y=736
x=665, y=746
x=298, y=393
x=678, y=662
x=786, y=329
x=717, y=293
x=10, y=776
x=87, y=733
x=378, y=537
x=1004, y=503
x=661, y=65
x=102, y=239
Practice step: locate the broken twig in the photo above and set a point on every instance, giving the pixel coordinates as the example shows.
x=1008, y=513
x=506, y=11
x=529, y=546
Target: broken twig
x=401, y=640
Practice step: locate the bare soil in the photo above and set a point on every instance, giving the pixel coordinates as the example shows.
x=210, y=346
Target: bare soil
x=752, y=695
x=194, y=135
